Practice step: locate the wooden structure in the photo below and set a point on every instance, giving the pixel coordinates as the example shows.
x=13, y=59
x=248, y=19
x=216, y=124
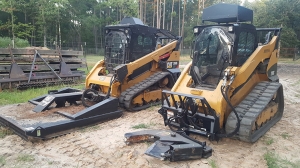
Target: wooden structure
x=23, y=68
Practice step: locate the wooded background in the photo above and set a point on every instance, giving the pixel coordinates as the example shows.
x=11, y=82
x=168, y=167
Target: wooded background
x=75, y=23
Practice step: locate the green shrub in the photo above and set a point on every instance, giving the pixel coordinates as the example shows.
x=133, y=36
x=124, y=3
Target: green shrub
x=4, y=42
x=19, y=43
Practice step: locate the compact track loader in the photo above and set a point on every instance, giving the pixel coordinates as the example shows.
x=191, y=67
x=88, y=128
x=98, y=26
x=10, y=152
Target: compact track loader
x=136, y=68
x=231, y=87
x=140, y=61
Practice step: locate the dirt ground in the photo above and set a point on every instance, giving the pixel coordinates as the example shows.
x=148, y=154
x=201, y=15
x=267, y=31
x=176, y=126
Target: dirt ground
x=103, y=145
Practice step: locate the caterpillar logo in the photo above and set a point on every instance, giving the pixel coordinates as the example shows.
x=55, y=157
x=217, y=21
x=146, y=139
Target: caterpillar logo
x=172, y=64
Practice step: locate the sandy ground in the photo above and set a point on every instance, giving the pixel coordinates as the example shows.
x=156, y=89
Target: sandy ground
x=102, y=145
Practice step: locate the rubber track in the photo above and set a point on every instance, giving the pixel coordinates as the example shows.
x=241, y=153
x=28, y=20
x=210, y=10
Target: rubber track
x=128, y=95
x=250, y=108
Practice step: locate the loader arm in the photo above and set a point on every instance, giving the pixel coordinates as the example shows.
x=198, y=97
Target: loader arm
x=242, y=73
x=125, y=70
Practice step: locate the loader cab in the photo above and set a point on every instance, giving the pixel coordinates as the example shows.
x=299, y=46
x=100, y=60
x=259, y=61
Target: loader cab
x=227, y=43
x=127, y=42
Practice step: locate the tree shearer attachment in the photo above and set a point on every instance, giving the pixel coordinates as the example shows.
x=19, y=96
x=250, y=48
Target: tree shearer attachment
x=24, y=68
x=169, y=145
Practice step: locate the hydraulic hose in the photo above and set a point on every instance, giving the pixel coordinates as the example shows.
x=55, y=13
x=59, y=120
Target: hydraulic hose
x=182, y=133
x=225, y=95
x=169, y=124
x=110, y=84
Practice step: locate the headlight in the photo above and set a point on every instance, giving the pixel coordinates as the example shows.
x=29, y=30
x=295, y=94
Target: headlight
x=196, y=30
x=230, y=28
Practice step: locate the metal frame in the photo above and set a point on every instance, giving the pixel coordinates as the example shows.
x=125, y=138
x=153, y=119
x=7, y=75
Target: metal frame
x=50, y=130
x=186, y=114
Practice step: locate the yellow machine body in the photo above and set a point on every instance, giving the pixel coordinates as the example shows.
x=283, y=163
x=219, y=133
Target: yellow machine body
x=231, y=87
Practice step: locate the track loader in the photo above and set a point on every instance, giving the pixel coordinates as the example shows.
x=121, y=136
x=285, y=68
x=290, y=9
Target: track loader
x=140, y=61
x=231, y=87
x=136, y=66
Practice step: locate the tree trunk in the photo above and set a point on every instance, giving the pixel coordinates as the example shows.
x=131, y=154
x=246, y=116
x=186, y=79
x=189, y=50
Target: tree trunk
x=199, y=7
x=179, y=18
x=44, y=28
x=56, y=36
x=182, y=29
x=141, y=9
x=171, y=24
x=59, y=34
x=120, y=12
x=101, y=39
x=45, y=36
x=25, y=17
x=164, y=14
x=95, y=34
x=32, y=35
x=153, y=18
x=59, y=30
x=12, y=25
x=145, y=13
x=157, y=13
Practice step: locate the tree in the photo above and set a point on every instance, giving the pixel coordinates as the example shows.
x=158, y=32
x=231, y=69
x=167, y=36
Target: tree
x=173, y=14
x=183, y=16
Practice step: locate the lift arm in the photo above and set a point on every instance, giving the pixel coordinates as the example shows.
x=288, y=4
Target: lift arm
x=125, y=70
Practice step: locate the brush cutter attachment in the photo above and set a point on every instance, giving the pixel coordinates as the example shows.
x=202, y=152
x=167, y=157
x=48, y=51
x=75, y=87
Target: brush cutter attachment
x=43, y=122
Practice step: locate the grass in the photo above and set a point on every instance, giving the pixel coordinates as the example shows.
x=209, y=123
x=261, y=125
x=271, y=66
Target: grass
x=288, y=60
x=212, y=163
x=4, y=132
x=93, y=59
x=20, y=96
x=25, y=158
x=90, y=128
x=153, y=107
x=274, y=161
x=285, y=135
x=269, y=141
x=141, y=126
x=2, y=161
x=144, y=126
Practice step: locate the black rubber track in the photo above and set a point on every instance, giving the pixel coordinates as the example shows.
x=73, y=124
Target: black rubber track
x=252, y=106
x=128, y=95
